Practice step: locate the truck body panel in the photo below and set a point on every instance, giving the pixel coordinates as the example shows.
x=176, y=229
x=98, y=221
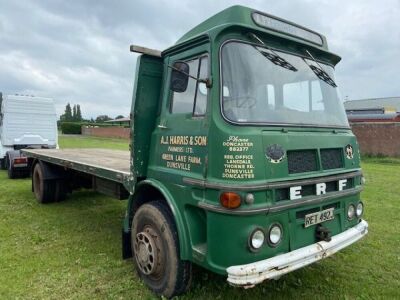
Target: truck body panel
x=147, y=90
x=28, y=121
x=25, y=122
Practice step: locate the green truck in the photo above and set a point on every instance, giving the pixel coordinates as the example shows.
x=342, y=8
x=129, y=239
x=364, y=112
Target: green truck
x=242, y=160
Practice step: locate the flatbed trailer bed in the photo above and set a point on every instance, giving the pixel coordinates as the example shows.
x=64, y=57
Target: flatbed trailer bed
x=112, y=166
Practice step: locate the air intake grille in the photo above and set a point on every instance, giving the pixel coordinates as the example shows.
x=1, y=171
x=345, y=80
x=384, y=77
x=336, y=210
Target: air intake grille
x=331, y=158
x=302, y=161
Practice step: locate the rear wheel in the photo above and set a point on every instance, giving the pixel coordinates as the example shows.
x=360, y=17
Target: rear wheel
x=47, y=190
x=43, y=189
x=155, y=249
x=3, y=164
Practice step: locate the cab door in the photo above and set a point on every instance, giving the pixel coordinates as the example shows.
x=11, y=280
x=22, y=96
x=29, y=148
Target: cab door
x=183, y=129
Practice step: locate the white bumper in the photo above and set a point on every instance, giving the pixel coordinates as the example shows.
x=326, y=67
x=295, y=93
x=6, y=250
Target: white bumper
x=272, y=268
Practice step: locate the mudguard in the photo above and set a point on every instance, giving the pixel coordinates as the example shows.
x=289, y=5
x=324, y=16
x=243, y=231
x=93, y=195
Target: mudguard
x=180, y=225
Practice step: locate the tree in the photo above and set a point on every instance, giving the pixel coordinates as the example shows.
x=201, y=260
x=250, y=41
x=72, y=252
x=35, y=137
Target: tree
x=102, y=118
x=119, y=117
x=78, y=113
x=72, y=115
x=67, y=116
x=74, y=118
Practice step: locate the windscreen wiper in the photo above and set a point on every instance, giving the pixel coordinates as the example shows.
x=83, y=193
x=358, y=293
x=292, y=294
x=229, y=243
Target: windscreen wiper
x=272, y=55
x=321, y=74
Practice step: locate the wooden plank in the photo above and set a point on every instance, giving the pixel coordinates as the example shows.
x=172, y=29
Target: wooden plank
x=110, y=164
x=144, y=50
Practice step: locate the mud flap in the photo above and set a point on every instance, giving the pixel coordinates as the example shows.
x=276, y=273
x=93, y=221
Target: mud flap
x=126, y=239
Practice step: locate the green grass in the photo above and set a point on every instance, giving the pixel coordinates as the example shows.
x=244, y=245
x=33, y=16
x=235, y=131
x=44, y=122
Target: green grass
x=72, y=249
x=80, y=141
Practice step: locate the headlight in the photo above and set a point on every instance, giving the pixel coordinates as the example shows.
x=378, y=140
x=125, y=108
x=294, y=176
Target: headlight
x=257, y=239
x=275, y=235
x=359, y=209
x=351, y=211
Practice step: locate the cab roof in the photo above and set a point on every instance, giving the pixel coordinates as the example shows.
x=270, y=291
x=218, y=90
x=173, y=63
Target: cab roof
x=245, y=17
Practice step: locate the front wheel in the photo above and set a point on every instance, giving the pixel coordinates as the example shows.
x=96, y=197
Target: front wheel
x=155, y=249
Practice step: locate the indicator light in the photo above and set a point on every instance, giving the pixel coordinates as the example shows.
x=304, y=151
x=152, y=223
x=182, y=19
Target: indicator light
x=230, y=200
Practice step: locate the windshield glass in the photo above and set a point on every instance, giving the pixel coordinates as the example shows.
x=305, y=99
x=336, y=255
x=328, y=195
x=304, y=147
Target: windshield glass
x=258, y=88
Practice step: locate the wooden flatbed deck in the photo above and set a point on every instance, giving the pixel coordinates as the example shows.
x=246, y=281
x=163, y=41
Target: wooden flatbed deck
x=109, y=164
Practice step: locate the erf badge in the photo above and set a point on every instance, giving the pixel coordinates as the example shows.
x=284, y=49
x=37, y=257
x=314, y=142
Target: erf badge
x=275, y=153
x=349, y=152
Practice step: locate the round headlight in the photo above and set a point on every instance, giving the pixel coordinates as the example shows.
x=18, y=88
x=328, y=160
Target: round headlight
x=275, y=234
x=351, y=211
x=257, y=239
x=359, y=209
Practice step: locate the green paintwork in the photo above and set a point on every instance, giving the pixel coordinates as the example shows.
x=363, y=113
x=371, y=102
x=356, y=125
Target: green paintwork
x=147, y=86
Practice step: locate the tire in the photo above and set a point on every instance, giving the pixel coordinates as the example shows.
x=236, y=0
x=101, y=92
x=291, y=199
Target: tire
x=44, y=190
x=3, y=164
x=12, y=173
x=61, y=191
x=155, y=249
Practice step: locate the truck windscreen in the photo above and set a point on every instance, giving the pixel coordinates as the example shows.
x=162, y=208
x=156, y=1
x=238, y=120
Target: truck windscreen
x=261, y=86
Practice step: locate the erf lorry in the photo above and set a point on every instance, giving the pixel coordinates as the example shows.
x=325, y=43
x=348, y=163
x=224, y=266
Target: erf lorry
x=25, y=122
x=242, y=160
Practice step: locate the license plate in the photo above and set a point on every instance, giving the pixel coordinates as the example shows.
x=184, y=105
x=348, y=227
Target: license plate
x=319, y=217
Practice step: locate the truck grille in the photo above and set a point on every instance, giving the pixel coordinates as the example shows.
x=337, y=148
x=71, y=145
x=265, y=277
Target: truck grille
x=302, y=161
x=331, y=158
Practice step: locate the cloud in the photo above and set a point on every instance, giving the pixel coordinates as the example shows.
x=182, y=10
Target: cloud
x=78, y=51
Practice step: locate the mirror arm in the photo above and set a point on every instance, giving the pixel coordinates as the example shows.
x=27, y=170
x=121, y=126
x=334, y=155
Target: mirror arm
x=207, y=81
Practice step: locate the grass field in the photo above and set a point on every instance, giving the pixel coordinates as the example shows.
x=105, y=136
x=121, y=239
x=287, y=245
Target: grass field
x=72, y=249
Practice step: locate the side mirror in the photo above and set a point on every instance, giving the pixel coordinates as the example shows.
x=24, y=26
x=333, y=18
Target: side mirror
x=179, y=77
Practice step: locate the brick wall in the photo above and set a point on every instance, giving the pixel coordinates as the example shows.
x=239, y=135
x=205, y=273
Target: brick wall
x=112, y=132
x=374, y=138
x=378, y=138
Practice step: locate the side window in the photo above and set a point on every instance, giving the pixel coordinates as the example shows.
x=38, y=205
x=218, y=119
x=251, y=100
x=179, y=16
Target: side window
x=201, y=96
x=194, y=99
x=183, y=102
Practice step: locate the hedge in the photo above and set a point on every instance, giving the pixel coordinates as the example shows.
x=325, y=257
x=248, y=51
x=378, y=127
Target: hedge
x=71, y=128
x=75, y=127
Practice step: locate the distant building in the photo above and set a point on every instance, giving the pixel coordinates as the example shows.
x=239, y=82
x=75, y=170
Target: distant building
x=121, y=122
x=373, y=110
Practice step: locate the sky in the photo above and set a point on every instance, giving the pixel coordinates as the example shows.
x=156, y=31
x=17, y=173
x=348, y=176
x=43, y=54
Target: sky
x=78, y=51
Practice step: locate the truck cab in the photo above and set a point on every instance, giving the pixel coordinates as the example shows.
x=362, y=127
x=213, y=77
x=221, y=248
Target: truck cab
x=25, y=122
x=240, y=130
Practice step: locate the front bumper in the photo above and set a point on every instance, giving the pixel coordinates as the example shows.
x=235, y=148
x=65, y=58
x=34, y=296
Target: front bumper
x=272, y=268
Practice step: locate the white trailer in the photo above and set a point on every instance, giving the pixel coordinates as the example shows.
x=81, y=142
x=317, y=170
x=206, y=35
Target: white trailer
x=25, y=122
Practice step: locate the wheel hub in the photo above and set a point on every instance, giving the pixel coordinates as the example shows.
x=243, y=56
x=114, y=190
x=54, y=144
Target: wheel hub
x=146, y=251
